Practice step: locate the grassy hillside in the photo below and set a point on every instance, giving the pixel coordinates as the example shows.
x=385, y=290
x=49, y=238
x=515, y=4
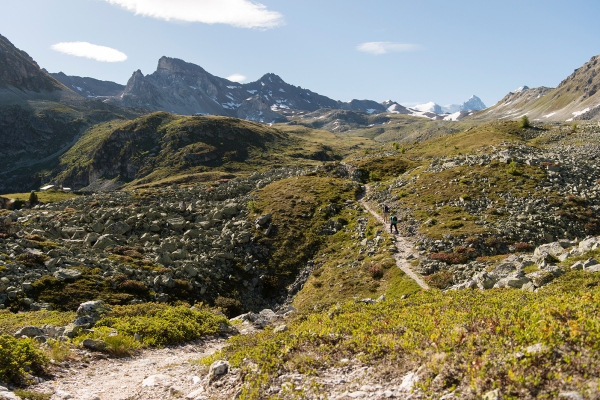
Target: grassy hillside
x=160, y=146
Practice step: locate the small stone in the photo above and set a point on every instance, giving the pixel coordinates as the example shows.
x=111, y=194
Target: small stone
x=156, y=380
x=217, y=369
x=492, y=395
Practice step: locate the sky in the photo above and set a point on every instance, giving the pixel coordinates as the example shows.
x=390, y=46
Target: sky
x=408, y=51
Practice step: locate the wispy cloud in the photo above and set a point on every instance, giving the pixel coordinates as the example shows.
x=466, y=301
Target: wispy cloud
x=239, y=13
x=378, y=48
x=88, y=50
x=239, y=78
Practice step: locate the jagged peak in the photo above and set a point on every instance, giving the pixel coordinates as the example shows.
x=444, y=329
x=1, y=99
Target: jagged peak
x=271, y=77
x=176, y=65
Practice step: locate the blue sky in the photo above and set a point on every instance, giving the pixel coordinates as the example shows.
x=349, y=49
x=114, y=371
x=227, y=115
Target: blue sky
x=408, y=51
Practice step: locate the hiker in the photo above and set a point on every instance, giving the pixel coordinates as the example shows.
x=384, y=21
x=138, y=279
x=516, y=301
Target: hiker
x=393, y=222
x=385, y=210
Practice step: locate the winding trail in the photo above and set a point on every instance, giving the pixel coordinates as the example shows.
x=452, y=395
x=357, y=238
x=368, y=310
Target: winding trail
x=403, y=244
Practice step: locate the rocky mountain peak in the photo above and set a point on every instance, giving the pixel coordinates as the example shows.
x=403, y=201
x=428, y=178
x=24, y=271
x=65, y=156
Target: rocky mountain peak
x=175, y=65
x=271, y=78
x=19, y=70
x=473, y=104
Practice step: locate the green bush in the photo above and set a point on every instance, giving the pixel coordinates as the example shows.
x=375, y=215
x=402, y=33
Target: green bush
x=524, y=123
x=163, y=325
x=513, y=169
x=18, y=358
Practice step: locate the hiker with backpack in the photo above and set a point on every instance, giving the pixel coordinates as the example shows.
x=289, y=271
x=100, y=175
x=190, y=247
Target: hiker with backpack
x=393, y=222
x=386, y=210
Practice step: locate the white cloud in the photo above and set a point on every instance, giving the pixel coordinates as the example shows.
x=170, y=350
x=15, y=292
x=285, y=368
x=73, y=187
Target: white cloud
x=236, y=78
x=88, y=50
x=378, y=48
x=239, y=13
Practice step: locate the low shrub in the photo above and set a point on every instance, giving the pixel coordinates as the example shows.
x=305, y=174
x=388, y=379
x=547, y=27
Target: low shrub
x=376, y=272
x=513, y=169
x=440, y=280
x=19, y=358
x=231, y=307
x=450, y=258
x=522, y=246
x=31, y=395
x=162, y=325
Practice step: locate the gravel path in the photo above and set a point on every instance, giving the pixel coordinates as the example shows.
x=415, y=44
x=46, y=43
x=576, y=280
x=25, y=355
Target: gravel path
x=403, y=244
x=153, y=374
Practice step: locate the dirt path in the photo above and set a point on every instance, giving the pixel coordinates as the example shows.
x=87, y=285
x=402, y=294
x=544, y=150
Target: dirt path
x=403, y=244
x=153, y=374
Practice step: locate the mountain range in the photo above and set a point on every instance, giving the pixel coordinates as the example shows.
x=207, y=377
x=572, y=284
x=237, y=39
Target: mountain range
x=185, y=88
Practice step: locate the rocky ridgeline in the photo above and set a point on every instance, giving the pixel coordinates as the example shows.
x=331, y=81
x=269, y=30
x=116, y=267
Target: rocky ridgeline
x=199, y=238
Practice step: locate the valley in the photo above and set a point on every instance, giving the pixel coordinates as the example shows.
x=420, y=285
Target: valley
x=242, y=254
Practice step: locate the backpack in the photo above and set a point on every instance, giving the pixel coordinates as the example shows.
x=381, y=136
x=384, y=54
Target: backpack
x=385, y=208
x=394, y=219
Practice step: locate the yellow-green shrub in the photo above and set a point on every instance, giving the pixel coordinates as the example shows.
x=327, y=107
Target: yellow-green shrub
x=160, y=325
x=18, y=357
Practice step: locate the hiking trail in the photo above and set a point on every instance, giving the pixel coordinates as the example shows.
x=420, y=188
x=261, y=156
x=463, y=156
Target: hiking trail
x=403, y=244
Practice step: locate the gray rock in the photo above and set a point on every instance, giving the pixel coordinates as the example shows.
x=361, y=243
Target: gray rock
x=263, y=219
x=117, y=228
x=554, y=250
x=97, y=227
x=29, y=331
x=218, y=369
x=103, y=242
x=91, y=238
x=588, y=244
x=176, y=223
x=492, y=395
x=230, y=209
x=593, y=268
x=67, y=275
x=72, y=330
x=577, y=265
x=95, y=307
x=483, y=280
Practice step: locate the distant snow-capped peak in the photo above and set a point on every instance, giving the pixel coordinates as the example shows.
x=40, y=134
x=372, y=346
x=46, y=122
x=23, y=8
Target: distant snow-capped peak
x=522, y=88
x=473, y=104
x=428, y=107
